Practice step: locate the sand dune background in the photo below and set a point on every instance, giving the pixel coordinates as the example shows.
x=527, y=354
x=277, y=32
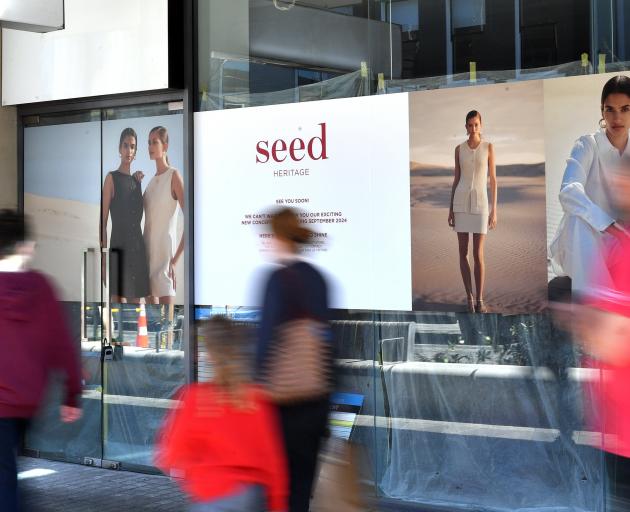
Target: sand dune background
x=63, y=228
x=515, y=252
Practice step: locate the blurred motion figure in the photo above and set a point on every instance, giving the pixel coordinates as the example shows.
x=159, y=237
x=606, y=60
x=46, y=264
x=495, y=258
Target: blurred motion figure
x=295, y=291
x=602, y=325
x=224, y=435
x=34, y=340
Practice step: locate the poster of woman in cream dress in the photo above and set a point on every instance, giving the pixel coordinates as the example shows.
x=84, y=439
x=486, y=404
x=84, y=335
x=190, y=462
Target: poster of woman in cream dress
x=163, y=195
x=478, y=241
x=470, y=211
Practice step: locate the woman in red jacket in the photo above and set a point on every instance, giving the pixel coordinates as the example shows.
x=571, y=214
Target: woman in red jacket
x=224, y=437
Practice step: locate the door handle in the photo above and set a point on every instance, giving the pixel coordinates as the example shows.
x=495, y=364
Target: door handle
x=83, y=290
x=84, y=279
x=106, y=301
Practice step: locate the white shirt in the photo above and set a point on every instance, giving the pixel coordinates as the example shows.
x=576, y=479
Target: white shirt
x=585, y=196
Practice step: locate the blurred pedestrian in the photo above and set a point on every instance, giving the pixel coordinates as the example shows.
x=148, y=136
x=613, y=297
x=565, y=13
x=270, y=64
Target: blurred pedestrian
x=34, y=340
x=294, y=293
x=602, y=325
x=224, y=437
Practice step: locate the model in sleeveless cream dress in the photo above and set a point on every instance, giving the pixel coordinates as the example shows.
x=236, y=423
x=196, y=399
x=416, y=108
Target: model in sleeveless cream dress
x=160, y=231
x=470, y=201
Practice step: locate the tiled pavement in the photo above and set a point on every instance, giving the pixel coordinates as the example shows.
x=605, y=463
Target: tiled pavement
x=61, y=487
x=73, y=487
x=53, y=486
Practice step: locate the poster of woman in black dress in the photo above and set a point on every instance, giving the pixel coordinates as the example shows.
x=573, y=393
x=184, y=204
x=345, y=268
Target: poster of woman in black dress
x=122, y=200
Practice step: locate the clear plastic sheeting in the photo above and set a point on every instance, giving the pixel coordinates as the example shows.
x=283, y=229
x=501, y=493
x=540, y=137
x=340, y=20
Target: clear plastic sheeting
x=218, y=98
x=124, y=402
x=139, y=390
x=472, y=412
x=480, y=77
x=463, y=436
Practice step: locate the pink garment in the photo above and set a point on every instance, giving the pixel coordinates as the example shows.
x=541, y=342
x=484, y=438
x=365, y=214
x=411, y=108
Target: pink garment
x=611, y=392
x=34, y=340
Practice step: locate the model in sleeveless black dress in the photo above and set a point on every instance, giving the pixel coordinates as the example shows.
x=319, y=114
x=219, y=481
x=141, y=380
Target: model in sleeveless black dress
x=128, y=269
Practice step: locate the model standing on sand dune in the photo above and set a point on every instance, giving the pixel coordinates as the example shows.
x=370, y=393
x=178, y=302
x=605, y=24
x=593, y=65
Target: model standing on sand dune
x=470, y=211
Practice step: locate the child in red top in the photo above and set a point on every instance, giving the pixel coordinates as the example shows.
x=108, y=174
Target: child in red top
x=224, y=436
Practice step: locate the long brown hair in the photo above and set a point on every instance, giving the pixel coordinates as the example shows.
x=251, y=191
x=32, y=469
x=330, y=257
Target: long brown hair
x=286, y=225
x=226, y=343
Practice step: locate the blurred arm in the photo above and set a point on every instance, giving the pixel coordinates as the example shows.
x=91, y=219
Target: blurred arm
x=63, y=353
x=172, y=438
x=270, y=319
x=605, y=335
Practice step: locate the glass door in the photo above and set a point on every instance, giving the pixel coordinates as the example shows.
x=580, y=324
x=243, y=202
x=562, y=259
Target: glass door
x=142, y=222
x=104, y=192
x=62, y=173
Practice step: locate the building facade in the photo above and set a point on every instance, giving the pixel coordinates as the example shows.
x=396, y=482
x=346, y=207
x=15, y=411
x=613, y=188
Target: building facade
x=351, y=110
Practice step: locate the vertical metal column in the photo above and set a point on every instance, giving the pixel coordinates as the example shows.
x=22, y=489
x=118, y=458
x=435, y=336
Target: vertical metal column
x=190, y=95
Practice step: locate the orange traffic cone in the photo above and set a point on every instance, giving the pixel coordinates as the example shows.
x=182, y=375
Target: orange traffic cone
x=142, y=340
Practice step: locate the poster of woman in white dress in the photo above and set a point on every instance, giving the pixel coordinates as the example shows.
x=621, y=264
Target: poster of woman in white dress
x=478, y=199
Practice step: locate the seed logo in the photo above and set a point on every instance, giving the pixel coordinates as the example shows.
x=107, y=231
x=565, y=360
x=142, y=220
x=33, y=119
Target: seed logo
x=297, y=149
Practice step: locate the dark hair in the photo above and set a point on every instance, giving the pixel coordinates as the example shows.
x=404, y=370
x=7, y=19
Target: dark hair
x=472, y=114
x=286, y=224
x=128, y=132
x=163, y=135
x=13, y=230
x=619, y=84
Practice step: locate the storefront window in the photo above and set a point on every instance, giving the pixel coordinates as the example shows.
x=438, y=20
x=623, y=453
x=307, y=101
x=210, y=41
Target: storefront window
x=267, y=49
x=488, y=410
x=92, y=182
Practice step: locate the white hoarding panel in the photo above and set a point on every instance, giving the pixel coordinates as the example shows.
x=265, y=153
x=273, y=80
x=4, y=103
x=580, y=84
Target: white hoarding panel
x=106, y=47
x=344, y=163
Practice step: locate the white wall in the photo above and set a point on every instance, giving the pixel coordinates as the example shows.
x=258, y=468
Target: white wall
x=107, y=47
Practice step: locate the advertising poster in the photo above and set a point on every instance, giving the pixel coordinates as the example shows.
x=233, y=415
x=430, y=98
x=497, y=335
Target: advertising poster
x=581, y=162
x=141, y=216
x=459, y=258
x=343, y=163
x=62, y=198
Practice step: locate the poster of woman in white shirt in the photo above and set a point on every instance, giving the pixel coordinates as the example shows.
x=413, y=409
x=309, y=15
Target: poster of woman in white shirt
x=587, y=119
